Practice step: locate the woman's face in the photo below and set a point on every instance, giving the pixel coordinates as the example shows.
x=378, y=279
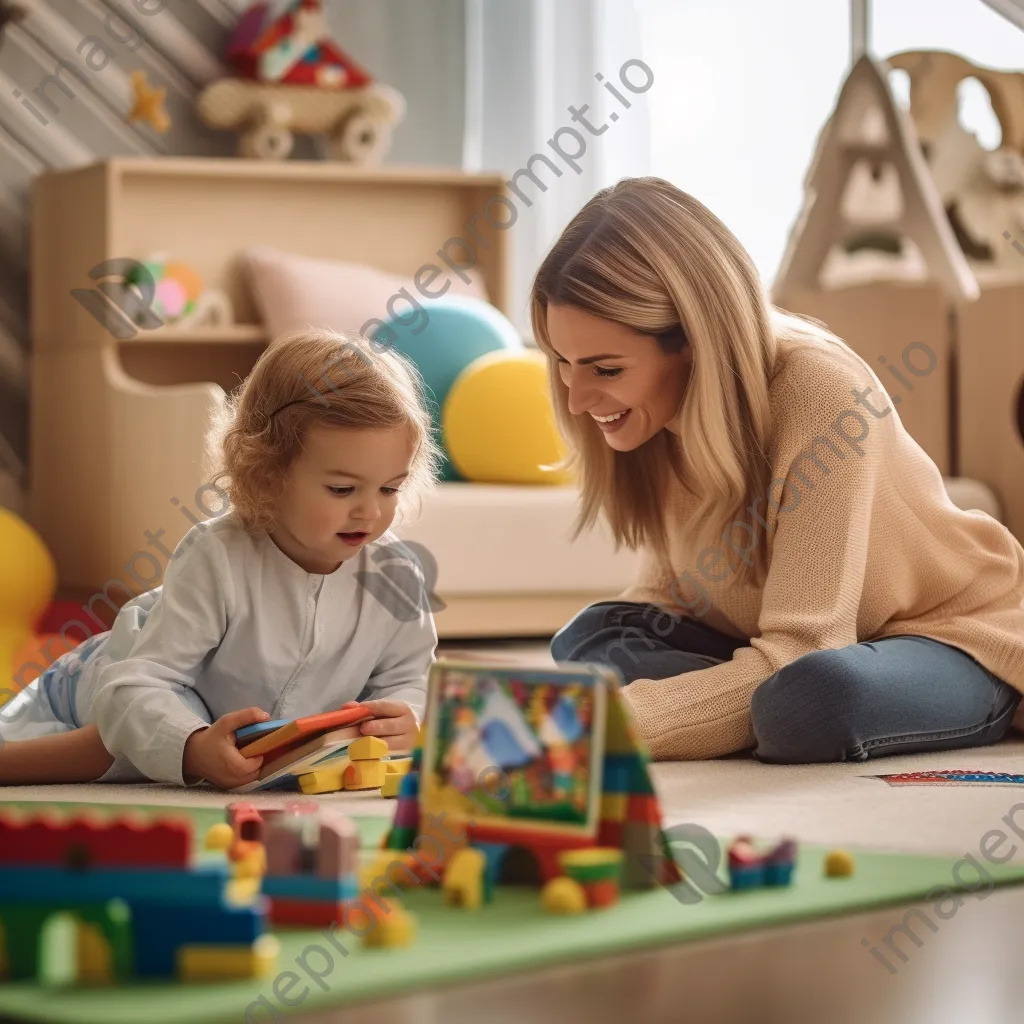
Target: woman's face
x=623, y=379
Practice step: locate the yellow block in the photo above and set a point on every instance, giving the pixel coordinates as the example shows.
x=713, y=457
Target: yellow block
x=391, y=785
x=367, y=748
x=614, y=806
x=399, y=766
x=326, y=780
x=365, y=775
x=224, y=963
x=395, y=928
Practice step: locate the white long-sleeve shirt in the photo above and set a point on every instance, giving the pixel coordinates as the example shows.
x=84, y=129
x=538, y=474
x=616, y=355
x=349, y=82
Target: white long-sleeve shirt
x=238, y=624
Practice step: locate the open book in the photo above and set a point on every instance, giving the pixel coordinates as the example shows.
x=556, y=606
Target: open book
x=291, y=748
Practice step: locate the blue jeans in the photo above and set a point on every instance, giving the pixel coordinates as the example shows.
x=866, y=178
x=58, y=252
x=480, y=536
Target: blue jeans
x=900, y=695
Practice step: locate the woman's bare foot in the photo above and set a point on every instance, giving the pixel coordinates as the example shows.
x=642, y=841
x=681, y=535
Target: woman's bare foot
x=77, y=756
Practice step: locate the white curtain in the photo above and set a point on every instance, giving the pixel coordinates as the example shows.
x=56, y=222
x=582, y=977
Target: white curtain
x=527, y=63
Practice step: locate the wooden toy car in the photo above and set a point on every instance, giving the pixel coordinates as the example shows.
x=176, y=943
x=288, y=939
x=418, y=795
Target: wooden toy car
x=357, y=122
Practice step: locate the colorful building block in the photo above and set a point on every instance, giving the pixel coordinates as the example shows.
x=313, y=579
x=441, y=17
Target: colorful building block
x=365, y=774
x=368, y=748
x=614, y=806
x=219, y=963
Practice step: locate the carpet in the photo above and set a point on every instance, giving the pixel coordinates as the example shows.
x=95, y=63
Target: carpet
x=829, y=805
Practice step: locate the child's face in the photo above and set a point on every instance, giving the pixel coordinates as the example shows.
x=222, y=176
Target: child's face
x=341, y=493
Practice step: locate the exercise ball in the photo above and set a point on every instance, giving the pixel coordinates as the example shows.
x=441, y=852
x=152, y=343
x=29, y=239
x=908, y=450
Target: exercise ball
x=442, y=340
x=27, y=586
x=498, y=422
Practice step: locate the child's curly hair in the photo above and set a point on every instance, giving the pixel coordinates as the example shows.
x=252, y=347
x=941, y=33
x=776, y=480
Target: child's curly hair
x=315, y=376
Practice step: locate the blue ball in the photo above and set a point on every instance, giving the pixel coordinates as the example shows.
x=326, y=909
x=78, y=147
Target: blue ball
x=442, y=338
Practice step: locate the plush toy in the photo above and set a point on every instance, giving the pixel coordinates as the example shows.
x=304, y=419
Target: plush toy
x=27, y=586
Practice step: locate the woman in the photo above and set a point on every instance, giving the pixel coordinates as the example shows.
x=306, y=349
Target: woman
x=807, y=587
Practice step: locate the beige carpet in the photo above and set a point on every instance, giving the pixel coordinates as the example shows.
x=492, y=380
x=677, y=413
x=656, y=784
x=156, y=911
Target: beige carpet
x=828, y=804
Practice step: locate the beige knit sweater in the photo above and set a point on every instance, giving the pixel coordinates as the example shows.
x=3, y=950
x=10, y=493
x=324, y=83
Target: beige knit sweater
x=865, y=545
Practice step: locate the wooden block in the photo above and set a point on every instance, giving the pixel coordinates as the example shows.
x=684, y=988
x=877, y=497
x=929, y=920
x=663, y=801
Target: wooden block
x=365, y=775
x=327, y=780
x=391, y=784
x=368, y=748
x=991, y=384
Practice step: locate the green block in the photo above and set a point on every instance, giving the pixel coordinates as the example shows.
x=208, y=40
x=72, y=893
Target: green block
x=401, y=838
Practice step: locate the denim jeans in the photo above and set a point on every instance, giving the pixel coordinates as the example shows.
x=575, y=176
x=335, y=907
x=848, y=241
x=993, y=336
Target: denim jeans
x=900, y=695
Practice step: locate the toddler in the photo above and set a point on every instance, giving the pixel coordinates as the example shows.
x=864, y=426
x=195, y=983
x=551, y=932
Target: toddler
x=271, y=610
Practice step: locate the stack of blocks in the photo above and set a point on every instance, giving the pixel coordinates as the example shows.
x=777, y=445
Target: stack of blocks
x=312, y=866
x=132, y=902
x=362, y=768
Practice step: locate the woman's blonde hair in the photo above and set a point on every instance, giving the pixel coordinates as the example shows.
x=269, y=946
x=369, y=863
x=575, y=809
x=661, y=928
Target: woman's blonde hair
x=646, y=255
x=313, y=377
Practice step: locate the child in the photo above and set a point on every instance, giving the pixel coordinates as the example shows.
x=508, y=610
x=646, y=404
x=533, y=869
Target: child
x=271, y=610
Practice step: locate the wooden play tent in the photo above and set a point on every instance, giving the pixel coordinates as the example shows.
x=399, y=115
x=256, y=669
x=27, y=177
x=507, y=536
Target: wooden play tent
x=895, y=250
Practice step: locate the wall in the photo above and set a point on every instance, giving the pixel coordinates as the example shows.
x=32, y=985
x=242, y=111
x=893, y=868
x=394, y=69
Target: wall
x=415, y=45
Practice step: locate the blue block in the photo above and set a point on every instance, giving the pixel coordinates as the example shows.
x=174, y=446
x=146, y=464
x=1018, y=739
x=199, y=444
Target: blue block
x=616, y=778
x=202, y=884
x=160, y=929
x=495, y=853
x=309, y=887
x=778, y=874
x=409, y=787
x=747, y=878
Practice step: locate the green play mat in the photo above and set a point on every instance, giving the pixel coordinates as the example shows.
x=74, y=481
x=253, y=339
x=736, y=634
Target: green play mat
x=512, y=934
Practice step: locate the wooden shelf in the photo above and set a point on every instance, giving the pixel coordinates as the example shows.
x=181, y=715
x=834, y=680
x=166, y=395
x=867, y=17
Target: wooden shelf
x=242, y=334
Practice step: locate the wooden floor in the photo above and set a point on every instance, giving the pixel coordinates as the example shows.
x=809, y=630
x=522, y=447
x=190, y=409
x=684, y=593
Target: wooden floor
x=968, y=972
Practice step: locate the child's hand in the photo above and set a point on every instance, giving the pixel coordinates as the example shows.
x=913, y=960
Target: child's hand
x=395, y=723
x=211, y=753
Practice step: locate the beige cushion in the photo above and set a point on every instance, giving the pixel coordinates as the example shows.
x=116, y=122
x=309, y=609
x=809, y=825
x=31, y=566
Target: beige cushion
x=293, y=291
x=504, y=539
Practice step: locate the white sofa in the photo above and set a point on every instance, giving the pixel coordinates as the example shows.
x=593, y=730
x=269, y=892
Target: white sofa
x=505, y=566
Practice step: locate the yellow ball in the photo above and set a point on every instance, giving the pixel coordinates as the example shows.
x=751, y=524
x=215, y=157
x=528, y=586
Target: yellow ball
x=563, y=896
x=839, y=864
x=219, y=836
x=27, y=585
x=499, y=423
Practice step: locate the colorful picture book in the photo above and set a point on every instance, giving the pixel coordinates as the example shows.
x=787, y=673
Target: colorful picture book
x=291, y=748
x=528, y=743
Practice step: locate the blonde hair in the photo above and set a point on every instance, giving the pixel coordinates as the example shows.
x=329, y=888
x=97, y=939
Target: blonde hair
x=646, y=255
x=316, y=377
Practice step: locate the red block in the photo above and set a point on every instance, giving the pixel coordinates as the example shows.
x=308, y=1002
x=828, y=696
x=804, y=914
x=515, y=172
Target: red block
x=602, y=894
x=545, y=846
x=85, y=841
x=643, y=807
x=610, y=833
x=311, y=913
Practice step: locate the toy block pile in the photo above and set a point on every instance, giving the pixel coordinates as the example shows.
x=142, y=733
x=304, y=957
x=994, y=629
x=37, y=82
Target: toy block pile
x=318, y=754
x=106, y=901
x=750, y=868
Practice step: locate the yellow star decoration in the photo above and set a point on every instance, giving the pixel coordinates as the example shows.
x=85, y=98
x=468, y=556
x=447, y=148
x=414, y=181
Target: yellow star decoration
x=149, y=103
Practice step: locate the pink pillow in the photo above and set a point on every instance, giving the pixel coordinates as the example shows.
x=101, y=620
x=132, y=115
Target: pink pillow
x=293, y=292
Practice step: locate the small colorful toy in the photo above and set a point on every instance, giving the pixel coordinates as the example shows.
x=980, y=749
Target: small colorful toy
x=541, y=779
x=132, y=899
x=174, y=292
x=750, y=868
x=292, y=76
x=839, y=864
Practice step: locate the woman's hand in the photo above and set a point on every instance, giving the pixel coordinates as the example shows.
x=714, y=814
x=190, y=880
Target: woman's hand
x=211, y=752
x=395, y=722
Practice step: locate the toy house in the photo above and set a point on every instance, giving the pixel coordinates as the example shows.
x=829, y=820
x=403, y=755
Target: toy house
x=107, y=901
x=538, y=771
x=900, y=250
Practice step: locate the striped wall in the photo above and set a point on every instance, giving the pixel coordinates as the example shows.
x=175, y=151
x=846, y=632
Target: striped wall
x=415, y=45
